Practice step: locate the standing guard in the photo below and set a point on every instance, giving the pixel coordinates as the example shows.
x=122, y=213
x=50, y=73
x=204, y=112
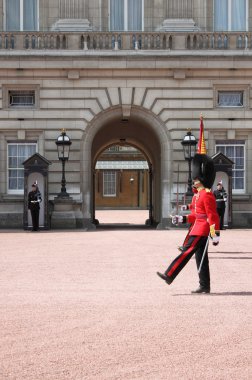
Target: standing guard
x=34, y=199
x=221, y=199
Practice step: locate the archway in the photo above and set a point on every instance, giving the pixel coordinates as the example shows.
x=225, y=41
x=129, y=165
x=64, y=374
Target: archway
x=122, y=184
x=142, y=130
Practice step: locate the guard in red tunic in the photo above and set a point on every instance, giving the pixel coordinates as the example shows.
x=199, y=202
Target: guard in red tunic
x=204, y=221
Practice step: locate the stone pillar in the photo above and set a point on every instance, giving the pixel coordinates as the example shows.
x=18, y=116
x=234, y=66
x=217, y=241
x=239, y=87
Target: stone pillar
x=165, y=221
x=73, y=9
x=179, y=42
x=19, y=41
x=73, y=41
x=179, y=8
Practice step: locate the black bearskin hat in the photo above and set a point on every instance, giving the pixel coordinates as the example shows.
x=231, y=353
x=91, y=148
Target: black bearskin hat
x=203, y=169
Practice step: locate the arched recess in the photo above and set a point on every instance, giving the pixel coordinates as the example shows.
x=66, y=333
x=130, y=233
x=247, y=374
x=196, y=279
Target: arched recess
x=133, y=187
x=142, y=130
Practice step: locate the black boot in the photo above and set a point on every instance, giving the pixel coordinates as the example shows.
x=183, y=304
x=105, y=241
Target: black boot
x=164, y=277
x=201, y=289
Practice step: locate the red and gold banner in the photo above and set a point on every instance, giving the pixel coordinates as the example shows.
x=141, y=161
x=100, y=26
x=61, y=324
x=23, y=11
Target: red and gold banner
x=202, y=144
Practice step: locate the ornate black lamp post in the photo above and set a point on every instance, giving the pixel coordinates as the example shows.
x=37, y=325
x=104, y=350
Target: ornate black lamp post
x=63, y=143
x=189, y=145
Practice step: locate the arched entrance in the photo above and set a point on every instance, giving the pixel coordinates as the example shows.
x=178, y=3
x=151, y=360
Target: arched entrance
x=142, y=130
x=122, y=181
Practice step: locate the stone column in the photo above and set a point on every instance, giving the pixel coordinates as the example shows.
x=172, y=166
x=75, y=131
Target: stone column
x=73, y=9
x=179, y=8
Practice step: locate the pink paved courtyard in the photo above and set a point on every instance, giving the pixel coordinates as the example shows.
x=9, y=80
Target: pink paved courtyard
x=89, y=305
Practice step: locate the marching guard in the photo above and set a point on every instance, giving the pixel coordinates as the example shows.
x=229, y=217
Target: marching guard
x=204, y=224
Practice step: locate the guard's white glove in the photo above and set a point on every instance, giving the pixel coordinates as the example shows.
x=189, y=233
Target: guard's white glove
x=184, y=207
x=176, y=219
x=215, y=240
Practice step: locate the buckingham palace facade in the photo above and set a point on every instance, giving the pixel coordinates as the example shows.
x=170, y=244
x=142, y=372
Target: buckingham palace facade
x=122, y=73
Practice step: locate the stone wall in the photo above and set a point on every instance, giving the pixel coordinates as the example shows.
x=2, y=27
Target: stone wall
x=77, y=92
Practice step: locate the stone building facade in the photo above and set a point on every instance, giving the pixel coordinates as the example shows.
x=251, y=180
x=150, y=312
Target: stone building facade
x=138, y=73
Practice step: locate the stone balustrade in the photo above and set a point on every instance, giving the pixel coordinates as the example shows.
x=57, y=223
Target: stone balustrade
x=124, y=41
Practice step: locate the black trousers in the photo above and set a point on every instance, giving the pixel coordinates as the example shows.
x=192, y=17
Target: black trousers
x=35, y=219
x=221, y=212
x=192, y=244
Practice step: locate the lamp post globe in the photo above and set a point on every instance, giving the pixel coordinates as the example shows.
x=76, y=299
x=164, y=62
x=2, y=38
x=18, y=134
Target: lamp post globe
x=189, y=143
x=63, y=143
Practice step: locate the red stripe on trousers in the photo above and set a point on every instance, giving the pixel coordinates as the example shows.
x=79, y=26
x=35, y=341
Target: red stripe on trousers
x=183, y=256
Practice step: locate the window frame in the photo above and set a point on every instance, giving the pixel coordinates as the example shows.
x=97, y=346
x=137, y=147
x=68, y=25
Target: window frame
x=230, y=92
x=235, y=144
x=229, y=10
x=245, y=89
x=17, y=143
x=111, y=195
x=12, y=92
x=7, y=88
x=125, y=19
x=21, y=21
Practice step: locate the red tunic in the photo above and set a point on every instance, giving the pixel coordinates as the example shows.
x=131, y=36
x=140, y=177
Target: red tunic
x=203, y=213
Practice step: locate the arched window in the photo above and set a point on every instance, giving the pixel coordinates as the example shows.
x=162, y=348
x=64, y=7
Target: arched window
x=126, y=15
x=230, y=15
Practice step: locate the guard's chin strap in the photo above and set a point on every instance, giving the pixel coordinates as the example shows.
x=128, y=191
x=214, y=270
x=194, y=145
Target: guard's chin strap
x=196, y=182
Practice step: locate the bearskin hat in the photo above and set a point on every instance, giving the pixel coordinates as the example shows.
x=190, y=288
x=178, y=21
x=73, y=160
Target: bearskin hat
x=203, y=169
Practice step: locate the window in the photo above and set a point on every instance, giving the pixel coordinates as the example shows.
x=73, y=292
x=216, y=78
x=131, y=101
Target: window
x=126, y=15
x=230, y=15
x=109, y=184
x=21, y=15
x=17, y=154
x=230, y=98
x=236, y=152
x=21, y=98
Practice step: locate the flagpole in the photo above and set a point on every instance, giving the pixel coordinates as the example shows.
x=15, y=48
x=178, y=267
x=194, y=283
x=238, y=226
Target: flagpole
x=202, y=143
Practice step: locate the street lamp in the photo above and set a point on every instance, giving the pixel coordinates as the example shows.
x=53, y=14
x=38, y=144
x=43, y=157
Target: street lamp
x=189, y=145
x=63, y=143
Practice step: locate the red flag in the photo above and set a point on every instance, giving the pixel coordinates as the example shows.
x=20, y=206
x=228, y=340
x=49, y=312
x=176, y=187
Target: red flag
x=201, y=144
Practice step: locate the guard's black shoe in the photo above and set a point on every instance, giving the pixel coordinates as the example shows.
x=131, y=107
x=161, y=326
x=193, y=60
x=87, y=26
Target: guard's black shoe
x=201, y=289
x=164, y=277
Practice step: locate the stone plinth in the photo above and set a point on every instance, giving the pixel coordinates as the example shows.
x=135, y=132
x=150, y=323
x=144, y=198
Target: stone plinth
x=72, y=25
x=179, y=25
x=63, y=215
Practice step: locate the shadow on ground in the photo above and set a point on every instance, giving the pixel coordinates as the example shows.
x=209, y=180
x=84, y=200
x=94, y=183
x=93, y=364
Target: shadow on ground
x=124, y=226
x=216, y=294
